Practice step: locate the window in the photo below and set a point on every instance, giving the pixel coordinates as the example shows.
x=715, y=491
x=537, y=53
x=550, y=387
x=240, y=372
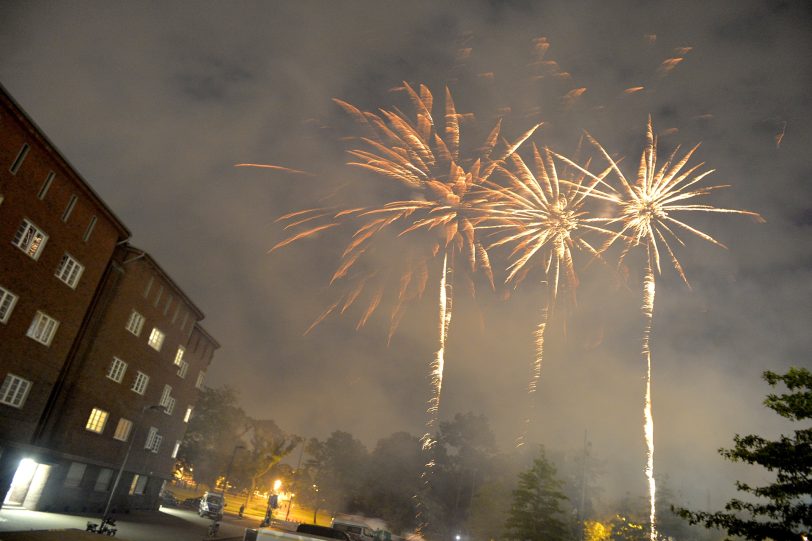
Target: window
x=135, y=323
x=140, y=383
x=165, y=395
x=170, y=406
x=175, y=449
x=158, y=296
x=177, y=311
x=156, y=339
x=69, y=208
x=69, y=270
x=188, y=414
x=43, y=191
x=7, y=302
x=168, y=304
x=89, y=231
x=116, y=370
x=96, y=420
x=18, y=161
x=14, y=391
x=183, y=368
x=30, y=239
x=154, y=440
x=123, y=429
x=149, y=286
x=201, y=377
x=43, y=328
x=185, y=319
x=138, y=484
x=103, y=480
x=179, y=355
x=75, y=474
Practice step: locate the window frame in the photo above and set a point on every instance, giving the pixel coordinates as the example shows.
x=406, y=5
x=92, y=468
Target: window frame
x=22, y=154
x=117, y=366
x=123, y=422
x=27, y=246
x=136, y=320
x=69, y=208
x=152, y=342
x=36, y=331
x=15, y=396
x=97, y=420
x=67, y=271
x=9, y=300
x=140, y=377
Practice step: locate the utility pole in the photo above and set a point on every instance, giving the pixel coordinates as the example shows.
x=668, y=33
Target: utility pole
x=582, y=516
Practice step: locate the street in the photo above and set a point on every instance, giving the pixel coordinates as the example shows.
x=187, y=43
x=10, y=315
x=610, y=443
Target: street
x=169, y=524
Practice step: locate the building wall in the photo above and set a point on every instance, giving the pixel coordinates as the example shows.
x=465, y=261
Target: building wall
x=33, y=281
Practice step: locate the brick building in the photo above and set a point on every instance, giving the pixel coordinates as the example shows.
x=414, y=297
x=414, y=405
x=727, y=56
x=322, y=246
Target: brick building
x=102, y=353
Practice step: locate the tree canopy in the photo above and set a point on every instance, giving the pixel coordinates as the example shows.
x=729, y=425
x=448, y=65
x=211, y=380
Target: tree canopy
x=780, y=510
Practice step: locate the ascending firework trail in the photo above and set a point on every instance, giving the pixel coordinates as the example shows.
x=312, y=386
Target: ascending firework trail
x=645, y=211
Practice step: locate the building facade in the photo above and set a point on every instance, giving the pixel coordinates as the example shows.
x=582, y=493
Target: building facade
x=102, y=352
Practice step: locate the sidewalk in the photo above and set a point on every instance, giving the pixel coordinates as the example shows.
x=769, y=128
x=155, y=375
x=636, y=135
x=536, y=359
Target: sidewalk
x=166, y=524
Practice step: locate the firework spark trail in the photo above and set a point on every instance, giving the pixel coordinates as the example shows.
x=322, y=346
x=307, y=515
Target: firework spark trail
x=648, y=316
x=646, y=208
x=541, y=214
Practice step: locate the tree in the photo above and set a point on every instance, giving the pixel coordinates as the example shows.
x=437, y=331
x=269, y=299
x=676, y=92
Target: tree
x=535, y=513
x=267, y=445
x=217, y=425
x=336, y=468
x=782, y=509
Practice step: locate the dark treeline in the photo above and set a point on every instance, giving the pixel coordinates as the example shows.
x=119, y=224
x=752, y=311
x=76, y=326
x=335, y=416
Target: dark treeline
x=472, y=490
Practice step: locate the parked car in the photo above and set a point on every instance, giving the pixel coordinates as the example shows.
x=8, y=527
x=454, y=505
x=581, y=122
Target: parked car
x=211, y=505
x=168, y=499
x=191, y=503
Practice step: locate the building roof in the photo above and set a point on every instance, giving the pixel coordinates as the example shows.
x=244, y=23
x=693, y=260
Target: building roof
x=36, y=131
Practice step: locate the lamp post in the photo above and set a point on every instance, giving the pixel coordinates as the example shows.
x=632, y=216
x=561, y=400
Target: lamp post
x=127, y=454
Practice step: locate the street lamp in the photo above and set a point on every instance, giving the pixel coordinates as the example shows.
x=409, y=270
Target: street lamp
x=127, y=454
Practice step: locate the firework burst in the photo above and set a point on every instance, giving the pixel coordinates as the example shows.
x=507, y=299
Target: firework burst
x=542, y=217
x=646, y=209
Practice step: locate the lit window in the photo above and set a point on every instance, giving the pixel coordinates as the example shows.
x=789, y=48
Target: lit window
x=156, y=339
x=138, y=484
x=89, y=231
x=7, y=302
x=175, y=449
x=43, y=328
x=18, y=161
x=43, y=191
x=14, y=391
x=140, y=383
x=188, y=414
x=103, y=480
x=75, y=474
x=123, y=429
x=69, y=208
x=69, y=270
x=201, y=377
x=179, y=355
x=183, y=369
x=116, y=370
x=30, y=239
x=96, y=420
x=135, y=323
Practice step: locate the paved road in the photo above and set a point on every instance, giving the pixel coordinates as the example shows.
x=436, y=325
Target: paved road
x=167, y=524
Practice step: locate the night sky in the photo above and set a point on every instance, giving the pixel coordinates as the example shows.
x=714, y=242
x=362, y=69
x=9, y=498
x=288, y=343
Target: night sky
x=154, y=104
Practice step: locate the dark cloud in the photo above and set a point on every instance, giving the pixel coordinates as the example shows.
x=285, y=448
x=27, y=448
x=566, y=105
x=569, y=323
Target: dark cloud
x=154, y=103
